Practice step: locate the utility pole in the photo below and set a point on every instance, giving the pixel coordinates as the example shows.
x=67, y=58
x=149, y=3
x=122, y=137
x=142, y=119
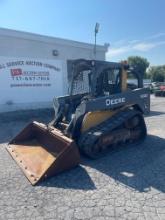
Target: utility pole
x=96, y=32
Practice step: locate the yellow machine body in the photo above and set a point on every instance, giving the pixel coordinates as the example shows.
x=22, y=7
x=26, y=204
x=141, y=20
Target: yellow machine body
x=91, y=119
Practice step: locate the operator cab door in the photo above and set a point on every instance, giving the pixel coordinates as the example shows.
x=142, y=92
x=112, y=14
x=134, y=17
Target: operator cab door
x=109, y=82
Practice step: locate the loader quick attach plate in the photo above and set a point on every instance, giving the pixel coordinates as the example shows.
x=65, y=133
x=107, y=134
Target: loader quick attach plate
x=42, y=153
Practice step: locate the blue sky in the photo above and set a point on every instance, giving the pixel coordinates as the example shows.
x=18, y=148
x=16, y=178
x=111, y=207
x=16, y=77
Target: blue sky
x=131, y=27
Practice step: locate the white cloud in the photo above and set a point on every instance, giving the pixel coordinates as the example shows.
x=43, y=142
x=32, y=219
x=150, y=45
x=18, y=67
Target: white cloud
x=120, y=42
x=114, y=52
x=155, y=36
x=160, y=43
x=147, y=46
x=134, y=41
x=118, y=51
x=143, y=46
x=123, y=47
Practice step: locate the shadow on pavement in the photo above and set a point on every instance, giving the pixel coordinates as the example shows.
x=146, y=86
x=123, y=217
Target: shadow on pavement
x=12, y=123
x=139, y=167
x=44, y=115
x=154, y=113
x=77, y=178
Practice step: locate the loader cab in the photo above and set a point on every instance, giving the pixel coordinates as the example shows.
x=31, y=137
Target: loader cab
x=115, y=78
x=101, y=78
x=109, y=82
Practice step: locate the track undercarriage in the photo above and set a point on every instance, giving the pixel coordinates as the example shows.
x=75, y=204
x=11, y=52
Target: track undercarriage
x=126, y=127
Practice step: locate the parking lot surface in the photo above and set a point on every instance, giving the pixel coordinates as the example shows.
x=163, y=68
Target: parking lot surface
x=129, y=183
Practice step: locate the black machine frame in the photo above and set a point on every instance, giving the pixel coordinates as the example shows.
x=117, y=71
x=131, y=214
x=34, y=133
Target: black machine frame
x=80, y=104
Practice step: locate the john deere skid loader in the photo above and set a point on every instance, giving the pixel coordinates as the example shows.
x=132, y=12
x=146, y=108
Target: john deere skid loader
x=106, y=114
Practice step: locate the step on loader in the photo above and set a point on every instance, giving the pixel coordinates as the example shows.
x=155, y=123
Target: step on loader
x=107, y=113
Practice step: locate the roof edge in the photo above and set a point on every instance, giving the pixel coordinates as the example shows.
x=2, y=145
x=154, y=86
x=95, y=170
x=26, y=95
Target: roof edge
x=49, y=39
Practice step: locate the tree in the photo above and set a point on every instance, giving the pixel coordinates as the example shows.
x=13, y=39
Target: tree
x=140, y=63
x=157, y=73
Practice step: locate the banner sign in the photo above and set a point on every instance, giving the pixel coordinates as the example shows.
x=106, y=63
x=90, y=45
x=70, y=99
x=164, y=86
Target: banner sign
x=30, y=80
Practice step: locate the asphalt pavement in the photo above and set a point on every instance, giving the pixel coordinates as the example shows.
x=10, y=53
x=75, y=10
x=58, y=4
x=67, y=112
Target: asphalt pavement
x=128, y=183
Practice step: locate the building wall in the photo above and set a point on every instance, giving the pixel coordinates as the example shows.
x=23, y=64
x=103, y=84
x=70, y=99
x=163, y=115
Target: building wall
x=16, y=43
x=19, y=44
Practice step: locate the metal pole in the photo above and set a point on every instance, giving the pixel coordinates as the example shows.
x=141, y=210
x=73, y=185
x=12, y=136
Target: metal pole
x=96, y=31
x=95, y=46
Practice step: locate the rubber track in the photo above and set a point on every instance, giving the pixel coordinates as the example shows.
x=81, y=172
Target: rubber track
x=90, y=137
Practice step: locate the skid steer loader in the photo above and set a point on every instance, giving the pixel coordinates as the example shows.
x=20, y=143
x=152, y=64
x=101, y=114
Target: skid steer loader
x=108, y=114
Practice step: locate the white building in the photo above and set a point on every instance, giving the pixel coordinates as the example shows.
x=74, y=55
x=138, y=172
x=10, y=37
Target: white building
x=33, y=67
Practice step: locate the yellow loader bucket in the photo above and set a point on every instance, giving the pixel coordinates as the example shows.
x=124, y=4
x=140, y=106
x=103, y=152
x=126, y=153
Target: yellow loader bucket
x=42, y=153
